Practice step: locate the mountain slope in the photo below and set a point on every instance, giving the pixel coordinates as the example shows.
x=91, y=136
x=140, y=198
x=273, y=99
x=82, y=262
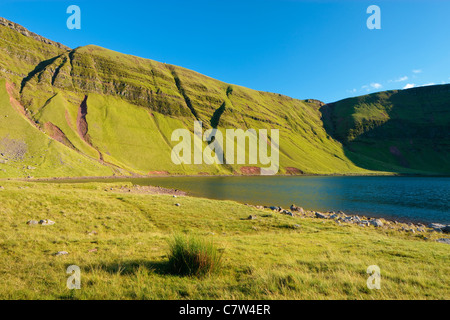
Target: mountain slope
x=406, y=129
x=117, y=112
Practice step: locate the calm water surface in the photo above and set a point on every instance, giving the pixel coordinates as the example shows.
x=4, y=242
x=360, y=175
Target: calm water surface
x=423, y=199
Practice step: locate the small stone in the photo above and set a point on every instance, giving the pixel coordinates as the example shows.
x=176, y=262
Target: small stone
x=32, y=222
x=92, y=250
x=444, y=240
x=46, y=222
x=177, y=204
x=287, y=212
x=61, y=253
x=251, y=217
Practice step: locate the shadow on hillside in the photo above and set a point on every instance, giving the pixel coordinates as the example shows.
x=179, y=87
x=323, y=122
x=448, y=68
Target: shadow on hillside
x=39, y=68
x=131, y=267
x=396, y=146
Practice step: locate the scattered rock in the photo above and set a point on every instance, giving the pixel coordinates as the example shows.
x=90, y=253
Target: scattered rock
x=320, y=215
x=46, y=222
x=177, y=204
x=444, y=240
x=251, y=217
x=287, y=212
x=61, y=253
x=446, y=229
x=93, y=233
x=32, y=222
x=298, y=209
x=436, y=226
x=92, y=250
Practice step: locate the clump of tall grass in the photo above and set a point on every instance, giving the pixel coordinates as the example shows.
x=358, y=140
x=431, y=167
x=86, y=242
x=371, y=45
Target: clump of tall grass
x=193, y=256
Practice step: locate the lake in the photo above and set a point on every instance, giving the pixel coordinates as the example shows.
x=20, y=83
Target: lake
x=418, y=199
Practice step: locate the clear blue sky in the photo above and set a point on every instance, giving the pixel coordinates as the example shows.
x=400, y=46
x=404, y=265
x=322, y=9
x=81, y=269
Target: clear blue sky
x=304, y=49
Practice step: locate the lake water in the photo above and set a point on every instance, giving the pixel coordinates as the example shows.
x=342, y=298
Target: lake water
x=420, y=199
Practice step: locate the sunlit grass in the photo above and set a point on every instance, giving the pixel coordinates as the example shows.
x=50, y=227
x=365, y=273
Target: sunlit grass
x=128, y=256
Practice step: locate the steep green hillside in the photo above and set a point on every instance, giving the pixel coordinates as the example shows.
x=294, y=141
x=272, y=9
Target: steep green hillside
x=407, y=129
x=27, y=151
x=117, y=112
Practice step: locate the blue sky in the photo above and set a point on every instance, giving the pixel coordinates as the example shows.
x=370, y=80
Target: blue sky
x=303, y=49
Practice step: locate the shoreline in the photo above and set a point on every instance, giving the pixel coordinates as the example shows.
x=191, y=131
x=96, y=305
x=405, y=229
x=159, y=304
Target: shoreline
x=153, y=189
x=378, y=174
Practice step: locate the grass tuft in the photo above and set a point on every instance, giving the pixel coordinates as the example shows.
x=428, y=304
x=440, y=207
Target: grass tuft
x=193, y=256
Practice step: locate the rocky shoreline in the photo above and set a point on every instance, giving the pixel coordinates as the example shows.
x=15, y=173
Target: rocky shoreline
x=341, y=219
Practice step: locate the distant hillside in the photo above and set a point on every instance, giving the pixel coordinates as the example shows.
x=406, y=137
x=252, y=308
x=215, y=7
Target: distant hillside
x=408, y=129
x=92, y=111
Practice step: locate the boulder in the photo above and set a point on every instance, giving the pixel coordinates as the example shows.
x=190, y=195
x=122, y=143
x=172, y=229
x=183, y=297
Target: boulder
x=320, y=215
x=376, y=223
x=446, y=229
x=298, y=209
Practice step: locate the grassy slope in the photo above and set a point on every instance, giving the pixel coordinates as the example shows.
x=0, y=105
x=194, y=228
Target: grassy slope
x=49, y=158
x=266, y=258
x=123, y=90
x=407, y=129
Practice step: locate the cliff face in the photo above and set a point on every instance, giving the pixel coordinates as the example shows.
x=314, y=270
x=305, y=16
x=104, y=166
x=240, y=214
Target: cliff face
x=23, y=31
x=117, y=112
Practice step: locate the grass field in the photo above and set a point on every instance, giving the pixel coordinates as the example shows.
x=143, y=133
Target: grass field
x=274, y=256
